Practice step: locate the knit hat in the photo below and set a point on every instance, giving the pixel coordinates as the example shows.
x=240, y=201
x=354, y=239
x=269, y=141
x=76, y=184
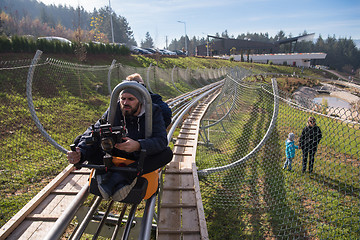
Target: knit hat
x=135, y=93
x=291, y=136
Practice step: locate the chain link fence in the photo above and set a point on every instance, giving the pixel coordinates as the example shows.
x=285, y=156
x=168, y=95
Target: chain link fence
x=246, y=192
x=64, y=99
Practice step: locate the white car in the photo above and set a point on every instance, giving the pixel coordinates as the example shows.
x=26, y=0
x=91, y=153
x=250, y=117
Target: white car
x=60, y=39
x=167, y=52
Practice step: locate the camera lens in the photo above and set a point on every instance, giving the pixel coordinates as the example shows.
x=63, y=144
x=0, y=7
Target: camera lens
x=107, y=144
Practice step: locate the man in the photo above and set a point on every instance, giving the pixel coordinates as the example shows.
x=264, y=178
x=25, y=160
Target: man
x=309, y=140
x=156, y=98
x=131, y=111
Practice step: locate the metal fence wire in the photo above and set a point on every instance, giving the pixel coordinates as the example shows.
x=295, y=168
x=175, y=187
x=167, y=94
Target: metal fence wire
x=66, y=98
x=246, y=192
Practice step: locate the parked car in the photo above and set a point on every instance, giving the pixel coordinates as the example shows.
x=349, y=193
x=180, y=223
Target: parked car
x=52, y=38
x=180, y=53
x=152, y=50
x=138, y=50
x=167, y=52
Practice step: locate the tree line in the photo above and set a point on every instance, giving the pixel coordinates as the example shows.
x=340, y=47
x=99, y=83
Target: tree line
x=29, y=17
x=342, y=53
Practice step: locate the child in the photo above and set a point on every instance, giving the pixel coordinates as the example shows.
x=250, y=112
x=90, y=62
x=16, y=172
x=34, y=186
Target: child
x=290, y=150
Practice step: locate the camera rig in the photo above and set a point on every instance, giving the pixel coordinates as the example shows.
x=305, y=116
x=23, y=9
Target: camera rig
x=107, y=135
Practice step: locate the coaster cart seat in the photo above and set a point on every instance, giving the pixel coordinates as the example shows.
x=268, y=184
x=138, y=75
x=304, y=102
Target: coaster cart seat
x=144, y=187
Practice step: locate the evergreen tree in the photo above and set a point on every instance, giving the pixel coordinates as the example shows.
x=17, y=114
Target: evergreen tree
x=148, y=42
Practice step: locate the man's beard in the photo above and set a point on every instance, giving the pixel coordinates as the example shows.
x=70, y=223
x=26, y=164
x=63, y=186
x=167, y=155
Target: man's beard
x=131, y=111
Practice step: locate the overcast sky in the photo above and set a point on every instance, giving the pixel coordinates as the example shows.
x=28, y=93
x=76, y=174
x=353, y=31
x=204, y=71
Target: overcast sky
x=160, y=17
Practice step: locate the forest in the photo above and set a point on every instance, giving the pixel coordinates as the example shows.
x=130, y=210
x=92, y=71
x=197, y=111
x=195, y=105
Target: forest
x=35, y=19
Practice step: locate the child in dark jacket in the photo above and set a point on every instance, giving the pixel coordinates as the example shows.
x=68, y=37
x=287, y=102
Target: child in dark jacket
x=290, y=151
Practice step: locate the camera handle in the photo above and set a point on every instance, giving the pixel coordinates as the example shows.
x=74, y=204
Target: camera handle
x=77, y=165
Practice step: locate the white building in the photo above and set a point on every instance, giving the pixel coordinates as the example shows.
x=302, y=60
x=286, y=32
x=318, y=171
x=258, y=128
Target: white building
x=291, y=59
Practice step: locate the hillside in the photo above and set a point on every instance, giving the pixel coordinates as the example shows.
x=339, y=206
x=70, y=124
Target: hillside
x=164, y=62
x=262, y=200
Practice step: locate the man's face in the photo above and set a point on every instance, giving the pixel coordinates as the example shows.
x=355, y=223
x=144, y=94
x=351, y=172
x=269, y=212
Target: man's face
x=311, y=123
x=130, y=105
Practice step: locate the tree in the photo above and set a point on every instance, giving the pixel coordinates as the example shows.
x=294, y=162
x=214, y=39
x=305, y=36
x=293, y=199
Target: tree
x=148, y=42
x=122, y=30
x=45, y=18
x=96, y=24
x=280, y=36
x=225, y=34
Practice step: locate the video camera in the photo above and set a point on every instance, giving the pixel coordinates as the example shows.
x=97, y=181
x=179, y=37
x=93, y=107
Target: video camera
x=107, y=135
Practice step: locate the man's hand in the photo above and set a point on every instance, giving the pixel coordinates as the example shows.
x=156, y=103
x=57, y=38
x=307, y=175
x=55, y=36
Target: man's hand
x=129, y=145
x=74, y=156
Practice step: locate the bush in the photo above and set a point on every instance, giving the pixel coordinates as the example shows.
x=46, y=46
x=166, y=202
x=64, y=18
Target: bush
x=5, y=44
x=23, y=44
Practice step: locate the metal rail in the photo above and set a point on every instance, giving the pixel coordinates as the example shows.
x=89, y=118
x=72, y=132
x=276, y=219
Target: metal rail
x=208, y=171
x=75, y=197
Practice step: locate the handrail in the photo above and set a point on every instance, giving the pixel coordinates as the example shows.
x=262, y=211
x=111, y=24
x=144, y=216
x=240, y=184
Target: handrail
x=59, y=227
x=179, y=118
x=226, y=114
x=31, y=103
x=109, y=75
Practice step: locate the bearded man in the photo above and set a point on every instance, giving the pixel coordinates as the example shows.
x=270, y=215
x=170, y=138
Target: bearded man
x=130, y=111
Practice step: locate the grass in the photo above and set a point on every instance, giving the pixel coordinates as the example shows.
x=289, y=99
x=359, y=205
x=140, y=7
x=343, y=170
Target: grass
x=66, y=103
x=259, y=200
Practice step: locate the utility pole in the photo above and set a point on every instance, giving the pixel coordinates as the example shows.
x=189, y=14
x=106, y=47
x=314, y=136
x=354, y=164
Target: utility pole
x=207, y=45
x=185, y=37
x=111, y=23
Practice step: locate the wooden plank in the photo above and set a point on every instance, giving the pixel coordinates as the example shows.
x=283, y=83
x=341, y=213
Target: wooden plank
x=177, y=231
x=200, y=207
x=51, y=207
x=190, y=220
x=188, y=128
x=41, y=231
x=177, y=205
x=182, y=154
x=188, y=132
x=24, y=230
x=32, y=204
x=169, y=218
x=186, y=137
x=65, y=192
x=191, y=236
x=42, y=217
x=183, y=145
x=176, y=188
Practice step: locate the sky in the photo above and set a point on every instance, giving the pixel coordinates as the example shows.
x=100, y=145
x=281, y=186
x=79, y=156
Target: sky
x=199, y=18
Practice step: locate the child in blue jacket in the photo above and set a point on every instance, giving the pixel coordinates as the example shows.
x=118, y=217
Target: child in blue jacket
x=289, y=151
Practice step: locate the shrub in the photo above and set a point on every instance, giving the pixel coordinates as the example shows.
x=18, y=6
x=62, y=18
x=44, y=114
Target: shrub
x=5, y=44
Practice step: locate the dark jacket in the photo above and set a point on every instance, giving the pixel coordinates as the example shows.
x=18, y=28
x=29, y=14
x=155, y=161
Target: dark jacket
x=166, y=111
x=136, y=131
x=310, y=138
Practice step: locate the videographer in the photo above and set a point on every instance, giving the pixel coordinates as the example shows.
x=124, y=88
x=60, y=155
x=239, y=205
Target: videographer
x=130, y=111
